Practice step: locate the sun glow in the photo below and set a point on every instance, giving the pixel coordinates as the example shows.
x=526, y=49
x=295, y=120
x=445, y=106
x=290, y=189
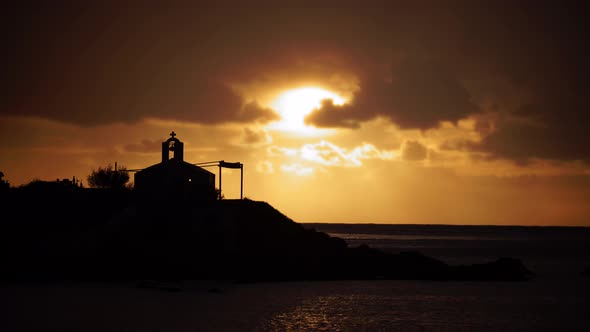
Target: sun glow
x=295, y=105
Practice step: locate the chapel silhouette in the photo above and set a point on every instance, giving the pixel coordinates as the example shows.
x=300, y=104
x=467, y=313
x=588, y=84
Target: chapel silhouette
x=175, y=179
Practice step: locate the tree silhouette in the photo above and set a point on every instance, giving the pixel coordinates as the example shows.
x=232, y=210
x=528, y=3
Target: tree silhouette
x=3, y=183
x=108, y=177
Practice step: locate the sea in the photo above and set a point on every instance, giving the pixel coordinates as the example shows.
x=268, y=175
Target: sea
x=551, y=252
x=557, y=298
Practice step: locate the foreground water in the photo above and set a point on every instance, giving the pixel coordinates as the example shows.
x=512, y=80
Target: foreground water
x=557, y=299
x=383, y=305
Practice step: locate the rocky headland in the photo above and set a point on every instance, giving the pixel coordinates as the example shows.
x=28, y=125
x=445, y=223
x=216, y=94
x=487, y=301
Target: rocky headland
x=103, y=235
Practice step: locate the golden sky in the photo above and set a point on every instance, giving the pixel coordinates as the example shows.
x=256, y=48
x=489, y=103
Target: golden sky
x=360, y=111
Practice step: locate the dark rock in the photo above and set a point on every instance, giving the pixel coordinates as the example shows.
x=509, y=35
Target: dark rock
x=502, y=269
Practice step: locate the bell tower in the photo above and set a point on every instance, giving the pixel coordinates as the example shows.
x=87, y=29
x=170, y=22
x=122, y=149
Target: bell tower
x=173, y=145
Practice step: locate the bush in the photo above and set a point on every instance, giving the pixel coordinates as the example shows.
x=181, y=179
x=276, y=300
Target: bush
x=107, y=177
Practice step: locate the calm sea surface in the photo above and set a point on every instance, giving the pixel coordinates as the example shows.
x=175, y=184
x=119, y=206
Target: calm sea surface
x=557, y=299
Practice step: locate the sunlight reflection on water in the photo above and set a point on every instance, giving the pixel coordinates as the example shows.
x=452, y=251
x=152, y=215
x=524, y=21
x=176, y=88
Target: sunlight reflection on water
x=556, y=300
x=432, y=307
x=366, y=313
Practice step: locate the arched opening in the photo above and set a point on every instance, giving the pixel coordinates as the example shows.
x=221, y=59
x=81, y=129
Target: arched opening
x=171, y=149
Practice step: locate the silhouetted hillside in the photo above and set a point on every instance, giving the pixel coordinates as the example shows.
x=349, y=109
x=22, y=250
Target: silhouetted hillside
x=74, y=233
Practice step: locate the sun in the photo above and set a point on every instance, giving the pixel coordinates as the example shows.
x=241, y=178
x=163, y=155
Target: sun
x=294, y=105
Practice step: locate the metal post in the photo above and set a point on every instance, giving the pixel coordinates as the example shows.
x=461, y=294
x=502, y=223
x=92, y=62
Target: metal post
x=220, y=181
x=241, y=181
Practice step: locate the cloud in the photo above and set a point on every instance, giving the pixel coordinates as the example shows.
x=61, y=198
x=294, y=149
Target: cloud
x=414, y=151
x=541, y=131
x=255, y=137
x=414, y=63
x=265, y=167
x=75, y=100
x=275, y=151
x=253, y=111
x=145, y=146
x=94, y=65
x=328, y=154
x=529, y=68
x=298, y=169
x=420, y=93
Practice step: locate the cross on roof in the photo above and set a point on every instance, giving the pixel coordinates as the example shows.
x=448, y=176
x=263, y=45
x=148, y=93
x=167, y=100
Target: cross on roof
x=172, y=134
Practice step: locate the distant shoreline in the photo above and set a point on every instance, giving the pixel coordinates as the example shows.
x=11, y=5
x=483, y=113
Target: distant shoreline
x=446, y=225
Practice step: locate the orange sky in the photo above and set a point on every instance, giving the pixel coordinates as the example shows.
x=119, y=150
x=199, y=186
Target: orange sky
x=466, y=114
